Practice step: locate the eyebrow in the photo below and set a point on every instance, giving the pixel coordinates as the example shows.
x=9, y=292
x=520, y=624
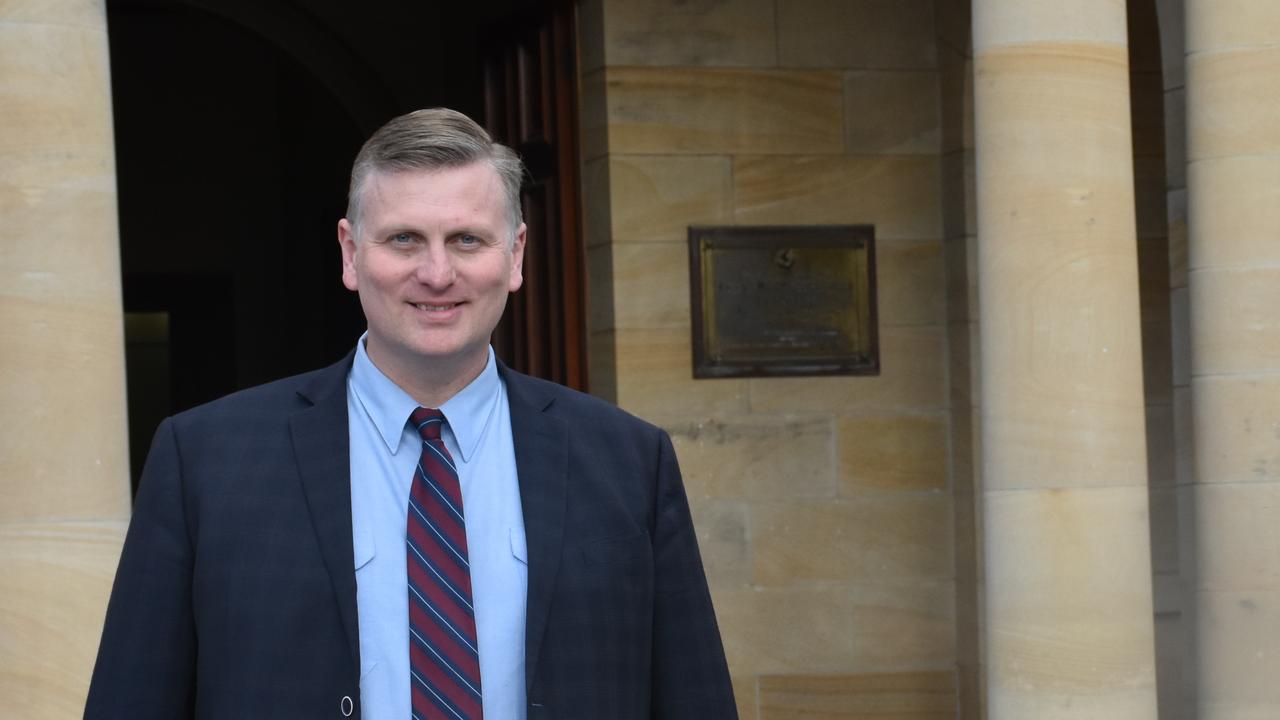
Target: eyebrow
x=478, y=231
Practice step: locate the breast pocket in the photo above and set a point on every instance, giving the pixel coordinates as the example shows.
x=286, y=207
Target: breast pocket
x=364, y=549
x=519, y=550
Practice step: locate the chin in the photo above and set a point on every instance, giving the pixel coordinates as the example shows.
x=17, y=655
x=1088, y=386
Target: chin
x=444, y=352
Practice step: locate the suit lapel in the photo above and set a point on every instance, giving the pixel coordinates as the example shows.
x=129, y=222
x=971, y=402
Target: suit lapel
x=321, y=450
x=542, y=457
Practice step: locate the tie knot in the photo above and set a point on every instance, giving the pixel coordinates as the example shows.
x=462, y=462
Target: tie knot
x=428, y=422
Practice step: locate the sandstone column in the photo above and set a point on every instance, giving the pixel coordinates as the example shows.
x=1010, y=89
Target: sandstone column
x=1233, y=182
x=1068, y=615
x=64, y=488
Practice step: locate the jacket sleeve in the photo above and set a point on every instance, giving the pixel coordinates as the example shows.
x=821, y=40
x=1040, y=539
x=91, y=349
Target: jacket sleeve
x=146, y=660
x=690, y=675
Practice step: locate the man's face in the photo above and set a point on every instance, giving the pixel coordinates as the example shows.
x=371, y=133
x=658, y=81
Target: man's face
x=433, y=264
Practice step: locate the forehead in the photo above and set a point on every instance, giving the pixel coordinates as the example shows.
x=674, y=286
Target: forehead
x=472, y=192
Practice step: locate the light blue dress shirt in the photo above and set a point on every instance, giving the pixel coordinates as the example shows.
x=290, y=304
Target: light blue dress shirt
x=384, y=451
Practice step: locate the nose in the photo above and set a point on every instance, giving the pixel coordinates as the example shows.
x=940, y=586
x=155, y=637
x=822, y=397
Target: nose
x=435, y=266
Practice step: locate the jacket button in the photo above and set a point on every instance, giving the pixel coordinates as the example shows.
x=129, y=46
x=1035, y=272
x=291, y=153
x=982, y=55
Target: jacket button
x=347, y=706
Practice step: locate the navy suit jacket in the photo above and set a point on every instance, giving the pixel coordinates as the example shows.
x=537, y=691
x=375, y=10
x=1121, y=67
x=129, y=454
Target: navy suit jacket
x=236, y=591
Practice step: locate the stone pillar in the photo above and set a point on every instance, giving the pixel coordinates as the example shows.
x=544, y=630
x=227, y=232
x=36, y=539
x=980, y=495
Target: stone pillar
x=1068, y=614
x=64, y=486
x=1233, y=182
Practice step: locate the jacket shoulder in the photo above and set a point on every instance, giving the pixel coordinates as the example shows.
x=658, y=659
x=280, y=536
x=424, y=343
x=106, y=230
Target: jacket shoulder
x=578, y=408
x=276, y=398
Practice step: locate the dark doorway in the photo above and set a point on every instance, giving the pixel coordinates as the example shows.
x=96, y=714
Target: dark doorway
x=236, y=122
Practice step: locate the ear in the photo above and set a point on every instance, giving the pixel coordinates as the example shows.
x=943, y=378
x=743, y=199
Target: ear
x=347, y=241
x=517, y=260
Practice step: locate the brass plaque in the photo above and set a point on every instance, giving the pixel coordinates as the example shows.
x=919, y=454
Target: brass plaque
x=783, y=301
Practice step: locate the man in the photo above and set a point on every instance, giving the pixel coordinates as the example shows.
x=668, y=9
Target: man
x=416, y=531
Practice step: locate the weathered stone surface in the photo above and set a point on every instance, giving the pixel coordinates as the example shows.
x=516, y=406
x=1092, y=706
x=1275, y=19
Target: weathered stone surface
x=883, y=696
x=872, y=34
x=888, y=112
x=756, y=458
x=656, y=197
x=55, y=578
x=701, y=111
x=690, y=33
x=861, y=540
x=893, y=453
x=912, y=375
x=911, y=283
x=896, y=193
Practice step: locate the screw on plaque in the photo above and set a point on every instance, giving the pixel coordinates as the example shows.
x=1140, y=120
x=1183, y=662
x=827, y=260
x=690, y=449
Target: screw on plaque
x=785, y=257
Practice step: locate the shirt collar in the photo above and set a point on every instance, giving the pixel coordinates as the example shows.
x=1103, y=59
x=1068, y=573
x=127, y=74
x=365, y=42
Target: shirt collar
x=469, y=411
x=389, y=406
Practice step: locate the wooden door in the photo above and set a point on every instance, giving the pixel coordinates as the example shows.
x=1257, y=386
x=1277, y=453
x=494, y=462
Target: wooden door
x=531, y=105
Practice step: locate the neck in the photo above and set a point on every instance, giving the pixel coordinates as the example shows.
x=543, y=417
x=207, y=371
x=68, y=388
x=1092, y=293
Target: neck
x=430, y=382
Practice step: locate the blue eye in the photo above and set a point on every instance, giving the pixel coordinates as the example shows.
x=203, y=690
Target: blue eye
x=401, y=239
x=468, y=240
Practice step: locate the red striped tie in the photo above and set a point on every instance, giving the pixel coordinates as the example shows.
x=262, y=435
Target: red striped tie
x=444, y=658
